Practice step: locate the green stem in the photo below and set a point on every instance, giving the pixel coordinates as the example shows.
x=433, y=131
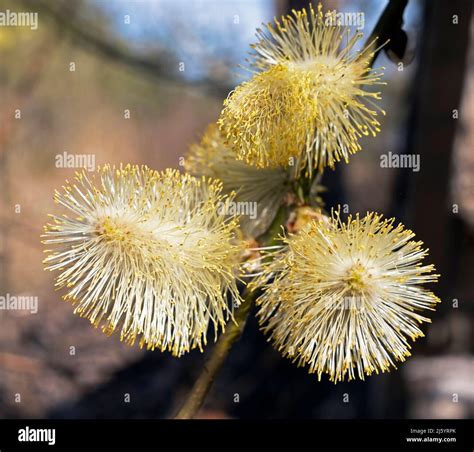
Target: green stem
x=391, y=18
x=233, y=332
x=215, y=361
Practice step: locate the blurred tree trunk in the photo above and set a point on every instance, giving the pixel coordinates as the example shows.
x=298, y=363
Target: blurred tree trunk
x=437, y=92
x=462, y=192
x=423, y=200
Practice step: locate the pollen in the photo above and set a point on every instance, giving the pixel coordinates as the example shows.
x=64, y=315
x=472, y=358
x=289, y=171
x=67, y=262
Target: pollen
x=344, y=298
x=310, y=98
x=357, y=279
x=264, y=188
x=147, y=254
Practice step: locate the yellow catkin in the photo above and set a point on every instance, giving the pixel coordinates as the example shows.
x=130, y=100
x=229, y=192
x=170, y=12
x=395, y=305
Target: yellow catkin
x=259, y=192
x=146, y=253
x=307, y=103
x=344, y=298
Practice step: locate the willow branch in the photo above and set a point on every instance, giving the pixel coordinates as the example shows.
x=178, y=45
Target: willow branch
x=161, y=66
x=215, y=361
x=389, y=22
x=233, y=333
x=391, y=19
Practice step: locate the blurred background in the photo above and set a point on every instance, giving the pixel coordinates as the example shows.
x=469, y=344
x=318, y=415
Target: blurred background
x=138, y=81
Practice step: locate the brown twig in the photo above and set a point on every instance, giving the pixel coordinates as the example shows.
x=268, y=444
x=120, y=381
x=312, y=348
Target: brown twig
x=215, y=361
x=388, y=24
x=162, y=66
x=233, y=333
x=389, y=20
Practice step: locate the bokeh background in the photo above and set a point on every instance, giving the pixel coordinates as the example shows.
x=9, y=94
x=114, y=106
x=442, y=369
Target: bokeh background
x=149, y=76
